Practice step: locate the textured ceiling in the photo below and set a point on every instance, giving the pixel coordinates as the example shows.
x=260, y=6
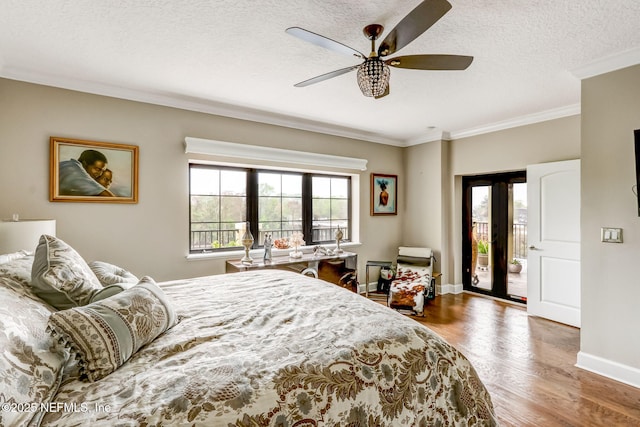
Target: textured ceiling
x=233, y=57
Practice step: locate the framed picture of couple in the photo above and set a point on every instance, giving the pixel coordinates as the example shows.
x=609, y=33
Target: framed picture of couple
x=384, y=194
x=87, y=171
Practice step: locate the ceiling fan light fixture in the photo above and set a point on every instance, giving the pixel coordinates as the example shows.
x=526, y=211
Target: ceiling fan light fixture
x=373, y=73
x=373, y=77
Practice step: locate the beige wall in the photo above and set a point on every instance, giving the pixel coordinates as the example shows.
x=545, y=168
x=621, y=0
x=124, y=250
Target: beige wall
x=515, y=148
x=439, y=166
x=507, y=150
x=426, y=202
x=422, y=188
x=150, y=237
x=610, y=278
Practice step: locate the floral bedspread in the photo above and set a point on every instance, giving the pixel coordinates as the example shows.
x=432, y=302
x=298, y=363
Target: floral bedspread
x=274, y=348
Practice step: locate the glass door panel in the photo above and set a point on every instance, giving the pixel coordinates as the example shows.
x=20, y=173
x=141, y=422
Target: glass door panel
x=481, y=230
x=517, y=267
x=494, y=234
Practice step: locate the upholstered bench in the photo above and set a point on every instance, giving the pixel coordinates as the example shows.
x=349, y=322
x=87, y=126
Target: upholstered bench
x=412, y=282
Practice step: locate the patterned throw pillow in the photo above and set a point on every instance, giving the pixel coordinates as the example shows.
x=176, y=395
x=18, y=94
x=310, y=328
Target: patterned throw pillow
x=109, y=274
x=60, y=276
x=105, y=334
x=19, y=269
x=30, y=369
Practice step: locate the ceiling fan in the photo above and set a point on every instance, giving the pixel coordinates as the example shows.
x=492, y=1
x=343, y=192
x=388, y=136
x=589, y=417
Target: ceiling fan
x=373, y=73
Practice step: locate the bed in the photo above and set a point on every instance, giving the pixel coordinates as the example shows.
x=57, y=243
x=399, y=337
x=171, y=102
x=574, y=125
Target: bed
x=259, y=348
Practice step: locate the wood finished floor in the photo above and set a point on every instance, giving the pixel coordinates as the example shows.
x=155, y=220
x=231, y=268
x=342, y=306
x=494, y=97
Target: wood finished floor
x=527, y=364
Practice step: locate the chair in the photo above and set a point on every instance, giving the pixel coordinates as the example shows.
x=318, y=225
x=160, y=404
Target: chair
x=413, y=282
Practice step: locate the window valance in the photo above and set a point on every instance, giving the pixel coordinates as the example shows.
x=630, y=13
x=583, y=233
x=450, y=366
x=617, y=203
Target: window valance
x=257, y=152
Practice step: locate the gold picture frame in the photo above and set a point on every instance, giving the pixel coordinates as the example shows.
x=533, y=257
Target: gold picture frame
x=93, y=172
x=384, y=194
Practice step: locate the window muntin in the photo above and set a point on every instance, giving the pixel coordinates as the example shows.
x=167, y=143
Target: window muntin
x=277, y=202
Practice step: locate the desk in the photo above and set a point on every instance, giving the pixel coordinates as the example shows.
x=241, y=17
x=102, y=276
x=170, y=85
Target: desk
x=325, y=267
x=366, y=271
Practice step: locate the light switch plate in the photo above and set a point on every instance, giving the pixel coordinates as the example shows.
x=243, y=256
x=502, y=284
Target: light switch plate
x=611, y=235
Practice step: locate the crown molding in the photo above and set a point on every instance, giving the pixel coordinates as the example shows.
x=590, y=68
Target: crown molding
x=194, y=104
x=259, y=116
x=609, y=63
x=431, y=136
x=543, y=116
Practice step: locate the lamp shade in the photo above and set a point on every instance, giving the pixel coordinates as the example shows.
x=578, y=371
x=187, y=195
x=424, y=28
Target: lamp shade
x=24, y=234
x=373, y=77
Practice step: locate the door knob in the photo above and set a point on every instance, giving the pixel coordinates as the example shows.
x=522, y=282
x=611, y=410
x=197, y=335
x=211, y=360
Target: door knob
x=533, y=248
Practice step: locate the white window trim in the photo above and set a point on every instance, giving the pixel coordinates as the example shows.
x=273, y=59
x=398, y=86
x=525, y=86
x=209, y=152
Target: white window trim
x=257, y=254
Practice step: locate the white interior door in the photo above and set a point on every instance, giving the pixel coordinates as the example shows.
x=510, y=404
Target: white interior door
x=553, y=288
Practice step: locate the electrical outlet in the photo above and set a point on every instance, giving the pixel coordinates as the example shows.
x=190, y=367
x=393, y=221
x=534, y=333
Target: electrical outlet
x=611, y=235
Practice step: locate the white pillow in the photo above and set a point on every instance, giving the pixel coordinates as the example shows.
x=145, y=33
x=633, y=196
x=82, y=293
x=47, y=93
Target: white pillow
x=416, y=252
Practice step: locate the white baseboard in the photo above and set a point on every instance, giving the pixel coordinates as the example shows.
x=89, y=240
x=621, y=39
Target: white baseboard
x=608, y=368
x=373, y=286
x=449, y=289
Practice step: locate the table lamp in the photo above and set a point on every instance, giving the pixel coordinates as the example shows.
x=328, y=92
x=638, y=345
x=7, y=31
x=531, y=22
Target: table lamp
x=16, y=235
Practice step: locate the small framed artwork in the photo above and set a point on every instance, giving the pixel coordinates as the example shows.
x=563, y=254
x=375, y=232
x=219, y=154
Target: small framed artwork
x=384, y=194
x=88, y=171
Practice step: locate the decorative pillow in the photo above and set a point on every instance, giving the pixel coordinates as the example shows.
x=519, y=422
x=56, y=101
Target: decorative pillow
x=30, y=365
x=110, y=290
x=414, y=251
x=105, y=334
x=60, y=276
x=109, y=274
x=18, y=268
x=4, y=258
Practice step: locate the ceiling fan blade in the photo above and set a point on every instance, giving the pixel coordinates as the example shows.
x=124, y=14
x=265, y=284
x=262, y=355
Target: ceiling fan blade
x=431, y=62
x=386, y=92
x=326, y=76
x=323, y=41
x=415, y=23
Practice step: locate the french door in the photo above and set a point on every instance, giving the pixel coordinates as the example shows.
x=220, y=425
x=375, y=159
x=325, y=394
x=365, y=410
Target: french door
x=492, y=234
x=554, y=243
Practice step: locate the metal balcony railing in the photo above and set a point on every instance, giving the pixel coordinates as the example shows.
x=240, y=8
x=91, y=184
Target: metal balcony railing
x=519, y=235
x=214, y=239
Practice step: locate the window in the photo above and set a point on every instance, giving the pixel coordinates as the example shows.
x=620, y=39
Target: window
x=330, y=207
x=279, y=204
x=223, y=199
x=218, y=207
